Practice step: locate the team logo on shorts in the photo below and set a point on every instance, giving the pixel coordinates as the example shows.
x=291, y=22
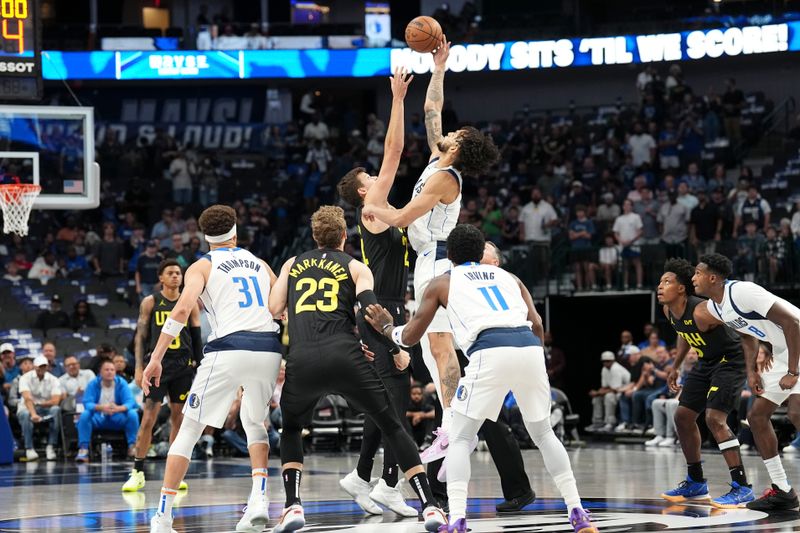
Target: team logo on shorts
x=461, y=393
x=194, y=401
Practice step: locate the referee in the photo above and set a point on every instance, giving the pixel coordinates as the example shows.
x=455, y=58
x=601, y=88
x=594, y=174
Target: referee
x=384, y=249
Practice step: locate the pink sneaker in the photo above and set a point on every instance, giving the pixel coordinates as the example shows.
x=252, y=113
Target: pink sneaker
x=437, y=449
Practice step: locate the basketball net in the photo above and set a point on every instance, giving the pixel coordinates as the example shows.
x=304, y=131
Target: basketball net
x=17, y=199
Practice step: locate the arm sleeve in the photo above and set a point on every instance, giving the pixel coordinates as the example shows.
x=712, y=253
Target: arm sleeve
x=197, y=343
x=747, y=297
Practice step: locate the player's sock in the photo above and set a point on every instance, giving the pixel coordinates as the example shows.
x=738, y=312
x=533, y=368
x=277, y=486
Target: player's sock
x=291, y=485
x=390, y=474
x=777, y=474
x=165, y=503
x=419, y=482
x=364, y=467
x=738, y=475
x=259, y=490
x=447, y=419
x=695, y=472
x=138, y=464
x=556, y=460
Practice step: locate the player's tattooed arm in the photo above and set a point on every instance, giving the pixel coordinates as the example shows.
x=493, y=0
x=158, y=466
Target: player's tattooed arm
x=450, y=379
x=145, y=310
x=434, y=97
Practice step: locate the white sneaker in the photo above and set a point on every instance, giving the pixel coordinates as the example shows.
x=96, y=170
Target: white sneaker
x=608, y=428
x=434, y=518
x=161, y=524
x=668, y=442
x=31, y=455
x=655, y=441
x=745, y=447
x=292, y=519
x=255, y=517
x=787, y=449
x=359, y=490
x=392, y=498
x=50, y=452
x=621, y=427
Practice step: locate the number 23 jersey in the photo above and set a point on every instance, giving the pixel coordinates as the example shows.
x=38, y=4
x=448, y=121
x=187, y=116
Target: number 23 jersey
x=236, y=295
x=322, y=296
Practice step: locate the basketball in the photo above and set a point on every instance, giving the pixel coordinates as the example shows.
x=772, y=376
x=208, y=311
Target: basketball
x=423, y=34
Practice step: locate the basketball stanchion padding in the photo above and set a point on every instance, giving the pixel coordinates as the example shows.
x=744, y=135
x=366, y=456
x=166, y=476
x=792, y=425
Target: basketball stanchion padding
x=16, y=200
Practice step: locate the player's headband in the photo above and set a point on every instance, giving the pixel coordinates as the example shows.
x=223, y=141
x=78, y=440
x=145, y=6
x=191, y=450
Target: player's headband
x=216, y=239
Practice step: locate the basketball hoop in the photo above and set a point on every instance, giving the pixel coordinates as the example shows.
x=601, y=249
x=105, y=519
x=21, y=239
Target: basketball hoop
x=17, y=199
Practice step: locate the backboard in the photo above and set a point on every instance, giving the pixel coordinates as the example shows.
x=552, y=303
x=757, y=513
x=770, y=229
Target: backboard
x=52, y=147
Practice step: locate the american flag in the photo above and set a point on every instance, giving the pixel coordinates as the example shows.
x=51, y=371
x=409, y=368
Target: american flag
x=73, y=186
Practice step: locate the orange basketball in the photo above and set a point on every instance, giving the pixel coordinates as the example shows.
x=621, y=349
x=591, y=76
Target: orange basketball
x=423, y=34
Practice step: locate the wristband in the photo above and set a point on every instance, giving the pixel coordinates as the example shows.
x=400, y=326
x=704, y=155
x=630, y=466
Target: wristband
x=397, y=336
x=394, y=350
x=387, y=326
x=795, y=374
x=172, y=327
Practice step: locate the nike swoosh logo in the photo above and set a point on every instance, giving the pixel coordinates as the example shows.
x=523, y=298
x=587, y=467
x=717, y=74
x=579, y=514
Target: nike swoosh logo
x=426, y=254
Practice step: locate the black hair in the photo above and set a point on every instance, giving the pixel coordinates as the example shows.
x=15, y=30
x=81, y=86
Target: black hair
x=717, y=264
x=683, y=271
x=476, y=152
x=465, y=244
x=163, y=265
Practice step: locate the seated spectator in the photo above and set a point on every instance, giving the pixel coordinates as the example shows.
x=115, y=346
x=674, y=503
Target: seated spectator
x=105, y=352
x=44, y=268
x=12, y=273
x=420, y=414
x=25, y=364
x=613, y=378
x=641, y=369
x=511, y=227
x=56, y=365
x=652, y=344
x=82, y=316
x=74, y=383
x=664, y=408
x=8, y=366
x=108, y=404
x=54, y=317
x=121, y=364
x=774, y=254
x=41, y=396
x=626, y=349
x=651, y=387
x=146, y=274
x=179, y=252
x=748, y=248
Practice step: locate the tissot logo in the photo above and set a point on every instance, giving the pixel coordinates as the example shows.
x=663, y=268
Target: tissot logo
x=24, y=67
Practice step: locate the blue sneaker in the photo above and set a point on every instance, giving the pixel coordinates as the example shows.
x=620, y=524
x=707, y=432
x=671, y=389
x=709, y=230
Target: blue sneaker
x=737, y=497
x=688, y=490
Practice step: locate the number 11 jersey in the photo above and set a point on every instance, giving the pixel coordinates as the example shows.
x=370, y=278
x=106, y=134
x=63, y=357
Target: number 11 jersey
x=236, y=295
x=322, y=296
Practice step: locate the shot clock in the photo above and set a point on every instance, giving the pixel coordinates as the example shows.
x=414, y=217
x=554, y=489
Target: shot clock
x=20, y=50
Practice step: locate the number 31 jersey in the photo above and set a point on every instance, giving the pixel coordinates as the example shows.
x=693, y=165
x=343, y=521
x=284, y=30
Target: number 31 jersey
x=322, y=297
x=482, y=297
x=236, y=295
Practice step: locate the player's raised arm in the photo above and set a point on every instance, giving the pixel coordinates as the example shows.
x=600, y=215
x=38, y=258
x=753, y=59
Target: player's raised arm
x=439, y=188
x=194, y=283
x=279, y=292
x=395, y=140
x=410, y=334
x=434, y=98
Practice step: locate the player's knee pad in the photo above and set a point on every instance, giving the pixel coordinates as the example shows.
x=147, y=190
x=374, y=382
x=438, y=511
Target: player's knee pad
x=187, y=437
x=256, y=432
x=539, y=429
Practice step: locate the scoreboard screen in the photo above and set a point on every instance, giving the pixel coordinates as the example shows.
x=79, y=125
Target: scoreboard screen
x=20, y=50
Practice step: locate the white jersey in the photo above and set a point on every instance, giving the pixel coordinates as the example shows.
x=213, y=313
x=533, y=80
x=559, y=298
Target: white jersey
x=483, y=297
x=744, y=308
x=236, y=295
x=435, y=226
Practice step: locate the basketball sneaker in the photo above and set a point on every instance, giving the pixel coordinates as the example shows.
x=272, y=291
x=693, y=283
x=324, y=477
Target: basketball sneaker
x=292, y=519
x=581, y=521
x=434, y=518
x=737, y=497
x=774, y=499
x=135, y=481
x=83, y=456
x=438, y=449
x=359, y=490
x=392, y=498
x=256, y=516
x=793, y=446
x=161, y=524
x=687, y=490
x=459, y=526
